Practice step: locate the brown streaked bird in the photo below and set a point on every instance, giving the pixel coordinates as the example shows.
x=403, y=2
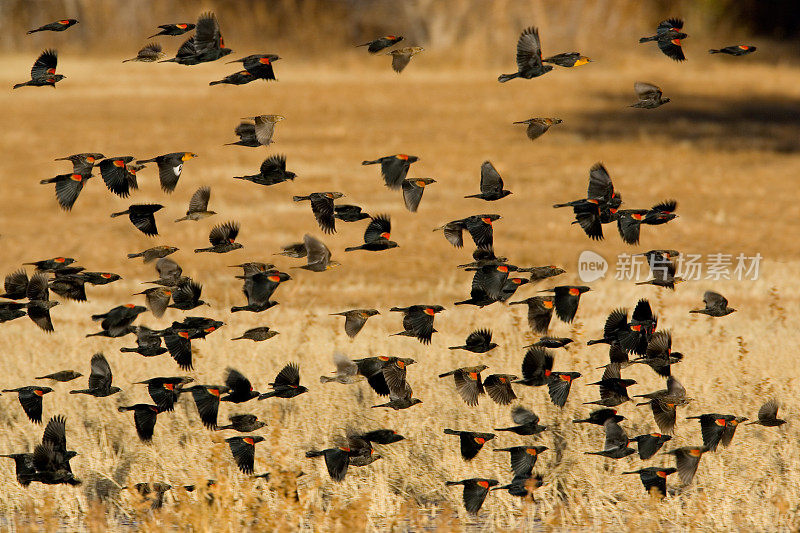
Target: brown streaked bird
x=478, y=226
x=43, y=72
x=537, y=126
x=322, y=207
x=30, y=398
x=412, y=191
x=223, y=239
x=649, y=96
x=523, y=486
x=148, y=343
x=264, y=128
x=258, y=334
x=318, y=255
x=479, y=341
x=598, y=417
x=355, y=320
x=198, y=205
x=649, y=444
x=659, y=355
x=540, y=311
x=386, y=375
x=498, y=387
x=686, y=460
x=141, y=216
x=475, y=491
x=381, y=43
x=491, y=184
x=654, y=479
x=529, y=57
x=119, y=177
x=151, y=254
x=668, y=37
x=527, y=422
x=616, y=442
x=768, y=415
x=394, y=168
x=566, y=300
x=100, y=379
x=296, y=250
x=347, y=372
x=173, y=29
x=468, y=382
x=170, y=273
x=716, y=305
x=402, y=57
x=376, y=236
x=157, y=299
x=418, y=321
x=471, y=442
x=551, y=342
x=253, y=267
x=523, y=458
x=243, y=450
x=62, y=376
x=401, y=400
x=245, y=423
x=149, y=53
x=663, y=403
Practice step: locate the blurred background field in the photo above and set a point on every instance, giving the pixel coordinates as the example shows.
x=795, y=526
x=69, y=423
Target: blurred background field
x=726, y=148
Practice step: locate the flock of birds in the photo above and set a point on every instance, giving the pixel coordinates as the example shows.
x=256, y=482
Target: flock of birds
x=631, y=339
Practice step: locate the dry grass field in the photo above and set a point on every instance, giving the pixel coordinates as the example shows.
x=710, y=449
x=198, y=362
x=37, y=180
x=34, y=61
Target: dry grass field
x=726, y=148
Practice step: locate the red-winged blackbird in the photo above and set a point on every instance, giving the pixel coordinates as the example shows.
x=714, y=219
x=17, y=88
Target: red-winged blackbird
x=659, y=355
x=69, y=187
x=566, y=300
x=768, y=415
x=629, y=221
x=287, y=383
x=59, y=25
x=355, y=320
x=558, y=386
x=568, y=59
x=649, y=444
x=173, y=29
x=144, y=418
x=349, y=213
x=649, y=96
x=529, y=57
x=381, y=436
x=412, y=191
x=51, y=265
x=243, y=423
x=318, y=255
x=475, y=491
x=600, y=205
x=99, y=278
x=523, y=486
x=39, y=303
x=536, y=367
x=616, y=443
x=117, y=321
x=30, y=398
x=613, y=389
x=141, y=216
x=272, y=171
x=239, y=388
x=207, y=398
x=394, y=168
x=169, y=168
x=187, y=296
x=418, y=321
x=488, y=283
x=523, y=458
x=540, y=311
x=62, y=376
x=402, y=57
x=82, y=162
x=479, y=341
x=527, y=422
x=471, y=442
x=484, y=256
x=49, y=462
x=716, y=305
x=205, y=45
x=498, y=387
x=100, y=379
x=717, y=428
x=253, y=267
x=118, y=176
x=237, y=78
x=198, y=205
x=739, y=50
x=43, y=72
x=322, y=207
x=148, y=343
x=668, y=37
x=599, y=417
x=468, y=383
x=258, y=289
x=243, y=450
x=259, y=65
x=257, y=334
x=687, y=459
x=663, y=403
x=633, y=336
x=551, y=342
x=386, y=375
x=338, y=459
x=537, y=126
x=70, y=286
x=165, y=390
x=150, y=53
x=491, y=184
x=376, y=236
x=16, y=285
x=478, y=226
x=223, y=239
x=11, y=311
x=151, y=254
x=654, y=479
x=380, y=43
